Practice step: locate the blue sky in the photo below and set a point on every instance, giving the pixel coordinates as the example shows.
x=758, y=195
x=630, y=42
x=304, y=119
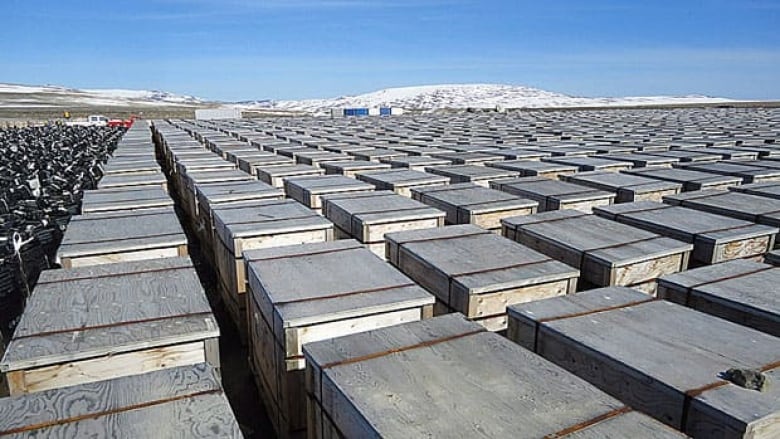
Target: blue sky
x=292, y=49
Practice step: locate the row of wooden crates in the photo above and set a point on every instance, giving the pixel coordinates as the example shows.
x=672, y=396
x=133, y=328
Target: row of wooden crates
x=122, y=341
x=340, y=288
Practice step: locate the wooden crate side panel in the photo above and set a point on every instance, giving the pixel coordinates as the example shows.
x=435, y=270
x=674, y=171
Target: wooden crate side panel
x=112, y=258
x=104, y=368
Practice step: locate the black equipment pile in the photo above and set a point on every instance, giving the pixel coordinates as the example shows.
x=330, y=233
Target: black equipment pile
x=43, y=173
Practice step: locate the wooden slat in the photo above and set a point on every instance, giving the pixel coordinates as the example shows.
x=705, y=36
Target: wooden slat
x=676, y=377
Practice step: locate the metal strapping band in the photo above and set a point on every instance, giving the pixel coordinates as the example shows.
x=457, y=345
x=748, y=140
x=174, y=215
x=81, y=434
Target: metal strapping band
x=72, y=419
x=112, y=325
x=101, y=241
x=507, y=267
x=400, y=349
x=347, y=294
x=314, y=253
x=110, y=275
x=586, y=424
x=268, y=220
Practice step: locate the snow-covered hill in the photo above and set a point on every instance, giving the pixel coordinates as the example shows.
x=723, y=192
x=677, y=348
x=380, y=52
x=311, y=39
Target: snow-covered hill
x=50, y=96
x=460, y=96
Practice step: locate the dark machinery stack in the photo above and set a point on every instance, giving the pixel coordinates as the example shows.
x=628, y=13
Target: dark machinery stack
x=43, y=173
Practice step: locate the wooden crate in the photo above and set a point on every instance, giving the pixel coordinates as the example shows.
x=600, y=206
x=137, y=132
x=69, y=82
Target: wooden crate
x=691, y=180
x=684, y=155
x=555, y=194
x=480, y=175
x=224, y=195
x=249, y=164
x=367, y=216
x=104, y=238
x=741, y=291
x=264, y=224
x=403, y=382
x=658, y=357
x=306, y=293
x=375, y=155
x=476, y=272
x=591, y=163
x=309, y=190
x=186, y=401
x=132, y=180
x=629, y=188
x=188, y=196
x=606, y=252
x=469, y=158
x=121, y=319
x=748, y=207
x=769, y=190
x=275, y=175
x=715, y=238
x=467, y=203
x=415, y=162
x=133, y=166
x=318, y=158
x=530, y=168
x=643, y=160
x=352, y=168
x=401, y=181
x=133, y=198
x=748, y=174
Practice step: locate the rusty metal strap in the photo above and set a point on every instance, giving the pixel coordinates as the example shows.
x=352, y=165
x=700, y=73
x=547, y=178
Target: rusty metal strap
x=507, y=267
x=111, y=275
x=313, y=253
x=542, y=221
x=112, y=325
x=72, y=419
x=589, y=423
x=594, y=311
x=347, y=294
x=269, y=219
x=400, y=349
x=102, y=241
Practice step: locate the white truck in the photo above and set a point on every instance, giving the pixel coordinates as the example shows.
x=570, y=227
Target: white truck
x=93, y=120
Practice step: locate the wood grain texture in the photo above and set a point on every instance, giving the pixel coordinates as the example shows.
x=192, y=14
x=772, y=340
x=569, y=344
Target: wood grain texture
x=740, y=291
x=619, y=351
x=406, y=392
x=177, y=402
x=744, y=206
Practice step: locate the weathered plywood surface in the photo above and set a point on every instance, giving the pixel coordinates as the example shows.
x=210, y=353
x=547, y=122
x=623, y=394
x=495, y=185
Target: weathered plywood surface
x=769, y=190
x=691, y=180
x=131, y=198
x=275, y=175
x=716, y=238
x=744, y=292
x=666, y=360
x=402, y=180
x=368, y=216
x=179, y=402
x=555, y=194
x=628, y=187
x=480, y=175
x=231, y=192
x=773, y=257
x=642, y=160
x=415, y=162
x=468, y=203
x=101, y=234
x=500, y=390
x=748, y=174
x=352, y=168
x=591, y=163
x=268, y=218
x=606, y=252
x=744, y=206
x=531, y=168
x=111, y=309
x=476, y=272
x=309, y=190
x=131, y=180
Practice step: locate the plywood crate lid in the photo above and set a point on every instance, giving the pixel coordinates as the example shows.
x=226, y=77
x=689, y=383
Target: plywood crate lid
x=510, y=392
x=112, y=232
x=314, y=283
x=111, y=309
x=266, y=217
x=184, y=400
